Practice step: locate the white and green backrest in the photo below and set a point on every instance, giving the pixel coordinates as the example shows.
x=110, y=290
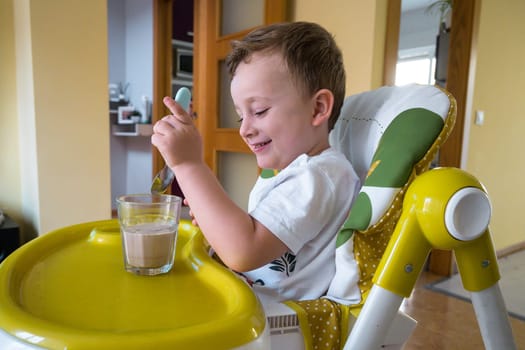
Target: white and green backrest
x=390, y=135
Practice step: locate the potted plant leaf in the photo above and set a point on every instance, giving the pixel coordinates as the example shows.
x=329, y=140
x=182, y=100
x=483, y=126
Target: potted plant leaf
x=444, y=8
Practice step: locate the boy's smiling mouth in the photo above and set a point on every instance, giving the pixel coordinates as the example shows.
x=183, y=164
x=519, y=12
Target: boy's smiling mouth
x=259, y=146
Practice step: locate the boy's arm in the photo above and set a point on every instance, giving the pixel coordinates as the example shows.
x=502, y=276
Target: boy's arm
x=241, y=241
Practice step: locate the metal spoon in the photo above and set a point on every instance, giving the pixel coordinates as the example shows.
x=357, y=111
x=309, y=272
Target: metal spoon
x=165, y=176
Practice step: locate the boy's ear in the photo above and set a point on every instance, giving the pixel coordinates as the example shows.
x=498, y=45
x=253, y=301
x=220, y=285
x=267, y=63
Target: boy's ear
x=323, y=104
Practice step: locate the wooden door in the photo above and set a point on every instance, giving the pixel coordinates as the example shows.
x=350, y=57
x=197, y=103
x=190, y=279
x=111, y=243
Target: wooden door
x=162, y=61
x=216, y=24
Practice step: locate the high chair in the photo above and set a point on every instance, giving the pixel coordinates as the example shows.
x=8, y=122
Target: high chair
x=391, y=136
x=68, y=288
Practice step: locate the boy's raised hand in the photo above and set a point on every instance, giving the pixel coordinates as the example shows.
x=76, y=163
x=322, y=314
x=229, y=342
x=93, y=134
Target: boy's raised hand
x=176, y=137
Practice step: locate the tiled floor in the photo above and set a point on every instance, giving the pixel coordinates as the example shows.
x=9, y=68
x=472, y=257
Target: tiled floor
x=446, y=322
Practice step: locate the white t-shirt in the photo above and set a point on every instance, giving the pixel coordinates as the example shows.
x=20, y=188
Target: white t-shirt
x=304, y=205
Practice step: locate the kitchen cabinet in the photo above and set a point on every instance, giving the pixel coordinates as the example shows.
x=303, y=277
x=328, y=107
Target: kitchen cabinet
x=183, y=20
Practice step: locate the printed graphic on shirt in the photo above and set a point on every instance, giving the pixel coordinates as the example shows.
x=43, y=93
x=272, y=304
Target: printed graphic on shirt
x=285, y=263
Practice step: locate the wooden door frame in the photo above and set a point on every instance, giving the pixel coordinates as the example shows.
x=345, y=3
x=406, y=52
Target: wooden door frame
x=463, y=41
x=162, y=61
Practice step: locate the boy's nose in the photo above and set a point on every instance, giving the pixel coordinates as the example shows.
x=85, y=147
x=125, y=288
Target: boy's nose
x=246, y=129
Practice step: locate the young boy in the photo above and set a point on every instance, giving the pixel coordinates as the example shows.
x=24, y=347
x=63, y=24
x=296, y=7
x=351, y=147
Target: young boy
x=288, y=85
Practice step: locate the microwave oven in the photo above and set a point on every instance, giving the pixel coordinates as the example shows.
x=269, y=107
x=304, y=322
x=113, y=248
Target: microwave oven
x=183, y=63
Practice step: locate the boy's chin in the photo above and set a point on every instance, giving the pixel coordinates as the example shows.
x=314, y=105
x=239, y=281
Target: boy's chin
x=265, y=165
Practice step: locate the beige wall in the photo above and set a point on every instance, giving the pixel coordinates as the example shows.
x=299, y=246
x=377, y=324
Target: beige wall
x=59, y=89
x=359, y=29
x=494, y=151
x=10, y=192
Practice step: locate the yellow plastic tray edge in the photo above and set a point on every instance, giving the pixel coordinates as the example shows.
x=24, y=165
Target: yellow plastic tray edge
x=250, y=325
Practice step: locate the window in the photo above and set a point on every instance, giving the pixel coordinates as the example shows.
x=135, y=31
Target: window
x=419, y=69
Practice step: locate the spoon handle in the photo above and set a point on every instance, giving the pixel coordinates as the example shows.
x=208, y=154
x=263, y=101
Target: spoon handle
x=183, y=97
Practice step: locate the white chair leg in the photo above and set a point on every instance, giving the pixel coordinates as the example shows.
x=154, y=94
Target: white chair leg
x=375, y=319
x=493, y=319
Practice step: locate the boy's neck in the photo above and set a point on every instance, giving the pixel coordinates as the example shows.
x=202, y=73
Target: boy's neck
x=319, y=147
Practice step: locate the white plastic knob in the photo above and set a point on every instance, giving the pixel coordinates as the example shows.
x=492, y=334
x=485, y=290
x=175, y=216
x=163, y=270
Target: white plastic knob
x=467, y=214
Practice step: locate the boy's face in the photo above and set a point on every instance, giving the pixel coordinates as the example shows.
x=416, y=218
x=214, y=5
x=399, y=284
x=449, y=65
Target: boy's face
x=276, y=118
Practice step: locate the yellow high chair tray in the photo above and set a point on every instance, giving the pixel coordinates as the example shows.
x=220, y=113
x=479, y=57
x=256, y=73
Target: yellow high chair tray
x=68, y=290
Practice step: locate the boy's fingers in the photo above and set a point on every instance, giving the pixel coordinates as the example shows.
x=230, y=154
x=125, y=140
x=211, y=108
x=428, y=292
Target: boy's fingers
x=171, y=104
x=164, y=125
x=177, y=110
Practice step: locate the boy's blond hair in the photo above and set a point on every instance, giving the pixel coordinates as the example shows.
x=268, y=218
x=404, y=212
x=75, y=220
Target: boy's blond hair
x=309, y=52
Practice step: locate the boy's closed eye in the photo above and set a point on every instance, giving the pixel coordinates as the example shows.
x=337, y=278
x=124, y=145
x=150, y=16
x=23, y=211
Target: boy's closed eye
x=255, y=114
x=260, y=113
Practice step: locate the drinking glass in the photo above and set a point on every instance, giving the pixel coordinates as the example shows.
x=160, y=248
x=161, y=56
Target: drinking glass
x=148, y=226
